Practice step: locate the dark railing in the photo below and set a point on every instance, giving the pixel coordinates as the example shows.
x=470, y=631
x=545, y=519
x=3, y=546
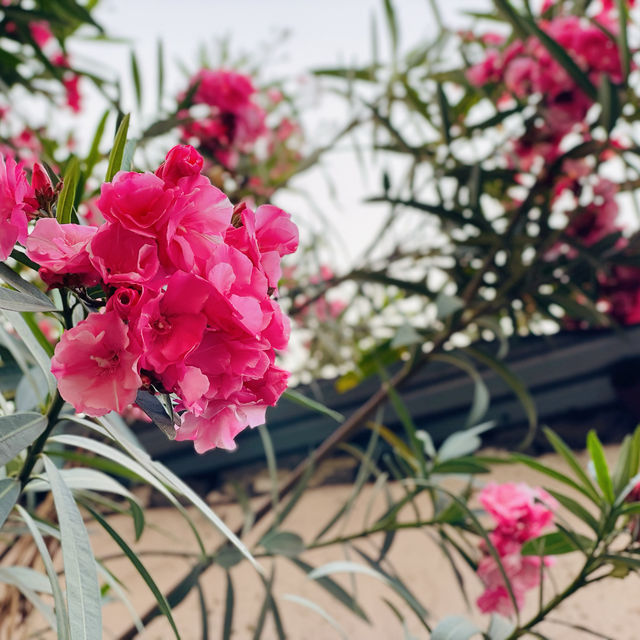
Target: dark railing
x=578, y=380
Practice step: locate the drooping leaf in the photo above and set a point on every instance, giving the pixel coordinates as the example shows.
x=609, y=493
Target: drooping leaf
x=298, y=398
x=140, y=568
x=40, y=356
x=15, y=301
x=9, y=494
x=18, y=431
x=455, y=628
x=62, y=616
x=83, y=591
x=312, y=606
x=555, y=544
x=334, y=589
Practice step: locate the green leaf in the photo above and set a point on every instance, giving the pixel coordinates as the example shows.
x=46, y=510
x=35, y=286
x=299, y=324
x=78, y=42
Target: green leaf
x=23, y=286
x=9, y=494
x=392, y=23
x=62, y=616
x=83, y=591
x=160, y=73
x=18, y=431
x=298, y=398
x=272, y=465
x=30, y=581
x=64, y=208
x=516, y=386
x=117, y=152
x=556, y=475
x=31, y=342
x=462, y=443
x=140, y=568
x=135, y=75
x=127, y=462
x=622, y=471
x=500, y=628
x=481, y=397
x=182, y=488
x=609, y=101
x=15, y=301
x=127, y=155
x=283, y=543
x=623, y=42
x=555, y=544
x=228, y=610
x=563, y=450
x=317, y=609
x=334, y=589
x=600, y=464
x=576, y=509
x=455, y=628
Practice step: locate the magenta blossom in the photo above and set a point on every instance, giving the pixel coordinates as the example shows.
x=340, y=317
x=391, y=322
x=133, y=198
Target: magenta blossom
x=15, y=195
x=96, y=372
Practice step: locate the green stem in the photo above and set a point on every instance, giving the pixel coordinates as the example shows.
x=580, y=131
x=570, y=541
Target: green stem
x=36, y=448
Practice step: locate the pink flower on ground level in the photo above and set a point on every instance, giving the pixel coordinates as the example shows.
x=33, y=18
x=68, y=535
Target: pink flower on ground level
x=521, y=513
x=15, y=194
x=95, y=370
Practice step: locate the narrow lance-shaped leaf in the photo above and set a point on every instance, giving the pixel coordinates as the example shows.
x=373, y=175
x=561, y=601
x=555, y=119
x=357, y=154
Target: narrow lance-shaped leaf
x=9, y=494
x=23, y=286
x=140, y=568
x=83, y=591
x=62, y=616
x=17, y=432
x=135, y=76
x=600, y=464
x=64, y=208
x=117, y=152
x=39, y=354
x=563, y=450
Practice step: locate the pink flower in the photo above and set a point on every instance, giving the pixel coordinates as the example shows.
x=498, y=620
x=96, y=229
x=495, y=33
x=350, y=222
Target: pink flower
x=182, y=161
x=62, y=249
x=521, y=512
x=137, y=201
x=95, y=370
x=171, y=323
x=40, y=32
x=234, y=122
x=15, y=192
x=123, y=257
x=187, y=301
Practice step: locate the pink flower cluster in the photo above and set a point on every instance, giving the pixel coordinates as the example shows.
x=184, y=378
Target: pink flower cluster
x=17, y=204
x=234, y=120
x=521, y=513
x=526, y=67
x=187, y=311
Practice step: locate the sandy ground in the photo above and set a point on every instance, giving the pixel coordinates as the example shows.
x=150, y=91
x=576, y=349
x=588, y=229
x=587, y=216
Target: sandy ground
x=611, y=607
